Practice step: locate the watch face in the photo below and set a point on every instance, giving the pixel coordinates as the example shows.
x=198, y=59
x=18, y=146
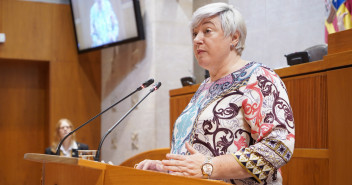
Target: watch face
x=207, y=168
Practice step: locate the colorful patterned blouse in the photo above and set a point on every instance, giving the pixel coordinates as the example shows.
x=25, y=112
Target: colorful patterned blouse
x=246, y=114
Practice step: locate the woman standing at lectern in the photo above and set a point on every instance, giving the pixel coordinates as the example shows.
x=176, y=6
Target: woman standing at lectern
x=239, y=125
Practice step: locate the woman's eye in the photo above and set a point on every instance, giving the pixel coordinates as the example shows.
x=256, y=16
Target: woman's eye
x=207, y=30
x=194, y=35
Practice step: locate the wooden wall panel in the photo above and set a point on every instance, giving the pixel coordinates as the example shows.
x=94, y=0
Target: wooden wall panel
x=340, y=123
x=27, y=27
x=46, y=33
x=1, y=17
x=76, y=96
x=23, y=119
x=340, y=42
x=37, y=31
x=306, y=171
x=75, y=80
x=62, y=38
x=308, y=94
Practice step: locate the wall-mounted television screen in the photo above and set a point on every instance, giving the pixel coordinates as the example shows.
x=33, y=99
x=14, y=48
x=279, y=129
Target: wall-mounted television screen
x=103, y=23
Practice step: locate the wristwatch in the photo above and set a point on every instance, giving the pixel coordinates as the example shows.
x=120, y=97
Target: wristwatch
x=207, y=168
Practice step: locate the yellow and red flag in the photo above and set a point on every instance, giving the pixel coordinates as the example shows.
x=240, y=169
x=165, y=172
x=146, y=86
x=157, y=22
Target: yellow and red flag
x=339, y=16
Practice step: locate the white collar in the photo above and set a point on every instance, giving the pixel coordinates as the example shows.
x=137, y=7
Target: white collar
x=68, y=152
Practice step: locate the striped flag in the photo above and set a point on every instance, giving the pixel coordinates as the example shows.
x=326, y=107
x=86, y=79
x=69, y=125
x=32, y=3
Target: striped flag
x=339, y=16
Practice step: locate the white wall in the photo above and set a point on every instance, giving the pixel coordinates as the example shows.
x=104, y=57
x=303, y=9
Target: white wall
x=165, y=55
x=279, y=27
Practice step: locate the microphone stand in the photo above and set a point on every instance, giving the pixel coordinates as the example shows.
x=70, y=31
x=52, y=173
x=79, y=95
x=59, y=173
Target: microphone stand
x=144, y=85
x=97, y=155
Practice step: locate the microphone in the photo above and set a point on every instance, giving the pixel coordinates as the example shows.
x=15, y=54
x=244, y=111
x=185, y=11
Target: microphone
x=97, y=155
x=144, y=85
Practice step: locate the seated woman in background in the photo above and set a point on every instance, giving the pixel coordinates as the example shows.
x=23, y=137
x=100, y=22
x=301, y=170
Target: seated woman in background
x=239, y=125
x=70, y=146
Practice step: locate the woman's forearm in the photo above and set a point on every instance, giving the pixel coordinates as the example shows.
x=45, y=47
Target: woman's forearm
x=227, y=167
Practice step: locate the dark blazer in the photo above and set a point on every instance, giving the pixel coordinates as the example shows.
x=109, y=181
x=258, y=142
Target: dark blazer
x=81, y=146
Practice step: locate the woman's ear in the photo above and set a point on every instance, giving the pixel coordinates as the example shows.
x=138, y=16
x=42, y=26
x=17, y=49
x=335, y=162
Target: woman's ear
x=235, y=38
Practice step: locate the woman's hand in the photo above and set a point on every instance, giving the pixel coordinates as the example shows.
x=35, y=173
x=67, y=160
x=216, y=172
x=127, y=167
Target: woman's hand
x=154, y=165
x=185, y=165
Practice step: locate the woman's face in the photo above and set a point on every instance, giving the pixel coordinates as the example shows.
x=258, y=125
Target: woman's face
x=210, y=46
x=64, y=129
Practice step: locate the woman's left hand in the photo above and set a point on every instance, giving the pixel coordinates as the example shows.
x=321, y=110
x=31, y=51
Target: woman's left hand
x=185, y=165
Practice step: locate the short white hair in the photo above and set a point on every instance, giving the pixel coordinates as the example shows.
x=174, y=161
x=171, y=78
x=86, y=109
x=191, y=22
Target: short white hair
x=231, y=21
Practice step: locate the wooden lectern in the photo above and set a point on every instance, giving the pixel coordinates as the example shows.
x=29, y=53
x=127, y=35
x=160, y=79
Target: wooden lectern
x=58, y=170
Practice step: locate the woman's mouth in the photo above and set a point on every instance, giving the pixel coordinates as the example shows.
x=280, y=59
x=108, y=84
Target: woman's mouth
x=199, y=51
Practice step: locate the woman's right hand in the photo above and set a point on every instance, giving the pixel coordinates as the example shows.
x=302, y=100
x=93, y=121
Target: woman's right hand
x=154, y=165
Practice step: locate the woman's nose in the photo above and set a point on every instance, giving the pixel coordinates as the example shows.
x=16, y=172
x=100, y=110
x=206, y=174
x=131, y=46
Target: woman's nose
x=198, y=38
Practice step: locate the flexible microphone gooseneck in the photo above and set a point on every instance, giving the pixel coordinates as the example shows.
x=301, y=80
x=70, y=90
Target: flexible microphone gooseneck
x=144, y=85
x=97, y=155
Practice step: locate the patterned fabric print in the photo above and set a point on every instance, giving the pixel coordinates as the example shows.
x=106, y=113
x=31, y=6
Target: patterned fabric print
x=225, y=83
x=213, y=136
x=205, y=94
x=267, y=111
x=183, y=126
x=216, y=136
x=283, y=153
x=280, y=105
x=184, y=123
x=246, y=114
x=254, y=163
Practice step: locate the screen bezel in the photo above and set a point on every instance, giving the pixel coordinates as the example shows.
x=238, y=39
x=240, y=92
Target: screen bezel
x=139, y=27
